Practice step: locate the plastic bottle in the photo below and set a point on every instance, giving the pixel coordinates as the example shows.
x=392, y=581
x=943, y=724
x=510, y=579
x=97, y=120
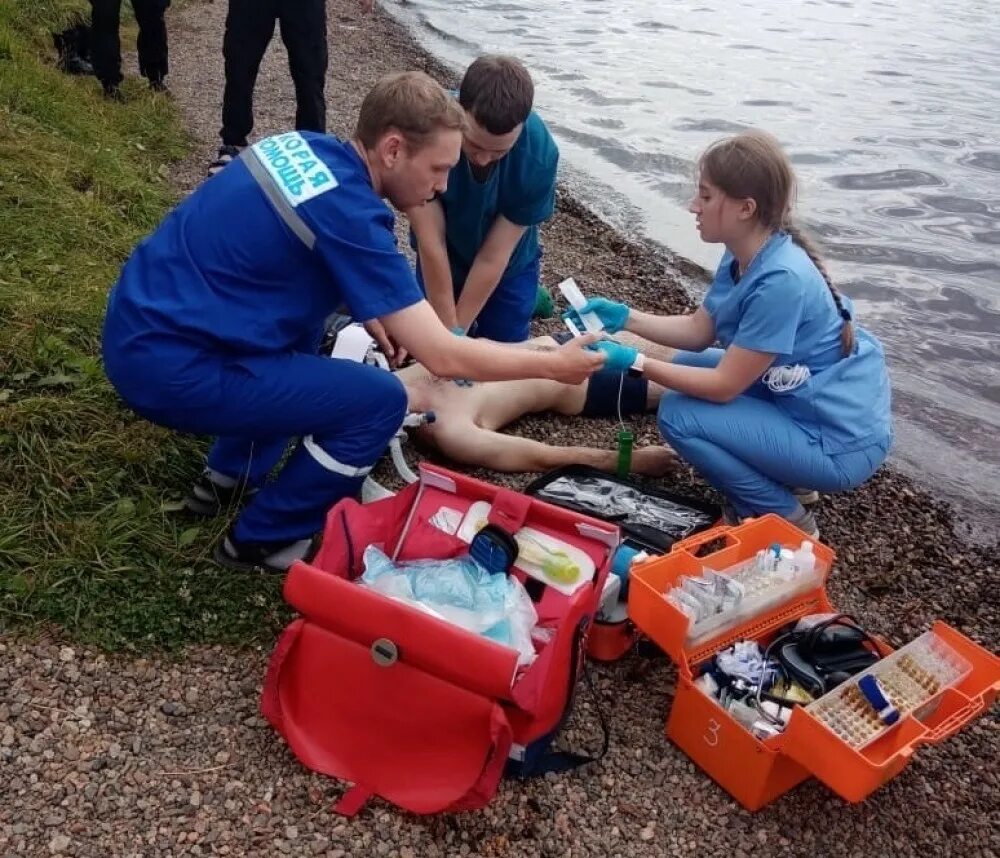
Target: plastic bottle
x=621, y=564
x=805, y=560
x=624, y=453
x=786, y=563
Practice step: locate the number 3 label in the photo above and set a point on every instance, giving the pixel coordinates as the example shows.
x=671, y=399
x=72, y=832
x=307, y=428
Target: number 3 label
x=712, y=733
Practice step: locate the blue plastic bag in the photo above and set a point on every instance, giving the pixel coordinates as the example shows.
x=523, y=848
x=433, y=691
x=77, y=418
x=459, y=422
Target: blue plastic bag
x=460, y=591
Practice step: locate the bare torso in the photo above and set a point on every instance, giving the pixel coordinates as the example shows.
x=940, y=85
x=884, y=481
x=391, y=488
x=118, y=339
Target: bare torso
x=491, y=404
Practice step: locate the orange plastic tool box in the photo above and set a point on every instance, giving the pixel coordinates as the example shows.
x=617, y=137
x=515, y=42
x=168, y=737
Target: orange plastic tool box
x=755, y=771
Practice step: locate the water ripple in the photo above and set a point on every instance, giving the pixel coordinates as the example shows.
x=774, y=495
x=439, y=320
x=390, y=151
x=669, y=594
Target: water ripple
x=892, y=134
x=885, y=179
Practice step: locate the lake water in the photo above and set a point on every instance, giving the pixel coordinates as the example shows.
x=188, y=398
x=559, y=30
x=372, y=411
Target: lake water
x=888, y=109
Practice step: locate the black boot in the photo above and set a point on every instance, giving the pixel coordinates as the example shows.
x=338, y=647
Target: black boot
x=73, y=46
x=112, y=92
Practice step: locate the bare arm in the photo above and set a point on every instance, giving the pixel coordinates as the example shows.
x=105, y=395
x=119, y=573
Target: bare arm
x=738, y=369
x=418, y=329
x=428, y=226
x=693, y=332
x=487, y=269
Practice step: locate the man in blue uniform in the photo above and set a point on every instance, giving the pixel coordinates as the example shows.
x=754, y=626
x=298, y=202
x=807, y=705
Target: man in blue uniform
x=477, y=243
x=214, y=324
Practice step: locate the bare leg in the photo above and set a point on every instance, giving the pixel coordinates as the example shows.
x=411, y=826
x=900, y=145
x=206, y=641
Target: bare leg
x=468, y=444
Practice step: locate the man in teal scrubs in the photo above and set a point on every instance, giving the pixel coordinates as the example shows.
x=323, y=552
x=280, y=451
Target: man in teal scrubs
x=477, y=243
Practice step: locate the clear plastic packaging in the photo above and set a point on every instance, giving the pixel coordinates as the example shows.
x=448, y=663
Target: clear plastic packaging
x=717, y=601
x=912, y=678
x=613, y=501
x=462, y=592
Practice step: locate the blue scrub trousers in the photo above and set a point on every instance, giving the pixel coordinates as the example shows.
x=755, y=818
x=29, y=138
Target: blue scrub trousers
x=345, y=412
x=506, y=315
x=752, y=452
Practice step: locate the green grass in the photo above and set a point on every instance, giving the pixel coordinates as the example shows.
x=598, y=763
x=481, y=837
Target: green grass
x=90, y=540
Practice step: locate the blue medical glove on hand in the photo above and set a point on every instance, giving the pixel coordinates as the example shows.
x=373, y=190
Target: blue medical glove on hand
x=620, y=357
x=613, y=316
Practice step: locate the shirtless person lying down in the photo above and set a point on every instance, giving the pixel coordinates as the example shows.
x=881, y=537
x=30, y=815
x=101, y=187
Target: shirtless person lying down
x=469, y=418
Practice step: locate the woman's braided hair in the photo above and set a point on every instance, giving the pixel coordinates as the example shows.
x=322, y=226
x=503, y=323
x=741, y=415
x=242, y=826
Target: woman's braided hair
x=753, y=165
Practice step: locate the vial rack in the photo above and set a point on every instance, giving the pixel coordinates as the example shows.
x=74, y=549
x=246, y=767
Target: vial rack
x=912, y=677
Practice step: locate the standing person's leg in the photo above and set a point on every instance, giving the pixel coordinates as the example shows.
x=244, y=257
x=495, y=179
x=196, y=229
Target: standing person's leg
x=303, y=30
x=151, y=43
x=506, y=316
x=104, y=43
x=249, y=28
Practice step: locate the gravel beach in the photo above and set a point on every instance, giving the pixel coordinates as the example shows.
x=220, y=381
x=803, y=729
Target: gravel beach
x=104, y=755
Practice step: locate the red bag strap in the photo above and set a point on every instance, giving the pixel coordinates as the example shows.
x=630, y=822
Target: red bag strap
x=509, y=510
x=352, y=801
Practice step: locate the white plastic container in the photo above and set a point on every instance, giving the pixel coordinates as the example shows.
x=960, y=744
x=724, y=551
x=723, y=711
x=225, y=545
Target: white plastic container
x=609, y=597
x=786, y=564
x=805, y=560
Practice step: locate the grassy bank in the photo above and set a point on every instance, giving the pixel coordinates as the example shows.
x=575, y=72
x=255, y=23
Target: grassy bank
x=89, y=538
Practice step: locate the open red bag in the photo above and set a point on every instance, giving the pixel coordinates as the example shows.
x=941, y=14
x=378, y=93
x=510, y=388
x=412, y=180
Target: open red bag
x=405, y=705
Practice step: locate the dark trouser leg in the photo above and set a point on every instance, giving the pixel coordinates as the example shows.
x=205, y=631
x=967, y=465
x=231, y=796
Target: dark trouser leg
x=152, y=41
x=249, y=28
x=303, y=30
x=105, y=46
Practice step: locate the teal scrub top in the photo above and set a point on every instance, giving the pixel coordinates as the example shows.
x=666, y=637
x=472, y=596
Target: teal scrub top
x=521, y=187
x=783, y=306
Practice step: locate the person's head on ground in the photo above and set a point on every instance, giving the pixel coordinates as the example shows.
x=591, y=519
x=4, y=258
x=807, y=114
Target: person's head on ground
x=497, y=94
x=411, y=132
x=746, y=188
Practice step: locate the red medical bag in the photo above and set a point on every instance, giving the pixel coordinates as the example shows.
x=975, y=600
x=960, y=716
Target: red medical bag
x=407, y=706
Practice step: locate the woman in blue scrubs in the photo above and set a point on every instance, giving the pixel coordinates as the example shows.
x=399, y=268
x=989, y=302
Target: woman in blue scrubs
x=797, y=395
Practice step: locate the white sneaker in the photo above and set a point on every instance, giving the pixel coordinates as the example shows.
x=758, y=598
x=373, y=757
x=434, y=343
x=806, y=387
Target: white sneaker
x=806, y=497
x=227, y=154
x=804, y=521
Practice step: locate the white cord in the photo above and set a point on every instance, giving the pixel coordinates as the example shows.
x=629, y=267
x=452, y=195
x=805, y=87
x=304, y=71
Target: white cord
x=621, y=385
x=782, y=379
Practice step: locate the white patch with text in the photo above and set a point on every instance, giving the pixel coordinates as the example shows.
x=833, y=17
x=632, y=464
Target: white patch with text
x=297, y=171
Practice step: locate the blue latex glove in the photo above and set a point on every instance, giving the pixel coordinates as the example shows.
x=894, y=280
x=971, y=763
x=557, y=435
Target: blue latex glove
x=459, y=331
x=613, y=316
x=620, y=357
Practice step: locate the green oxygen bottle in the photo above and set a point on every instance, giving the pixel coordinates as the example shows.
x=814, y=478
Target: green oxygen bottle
x=624, y=452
